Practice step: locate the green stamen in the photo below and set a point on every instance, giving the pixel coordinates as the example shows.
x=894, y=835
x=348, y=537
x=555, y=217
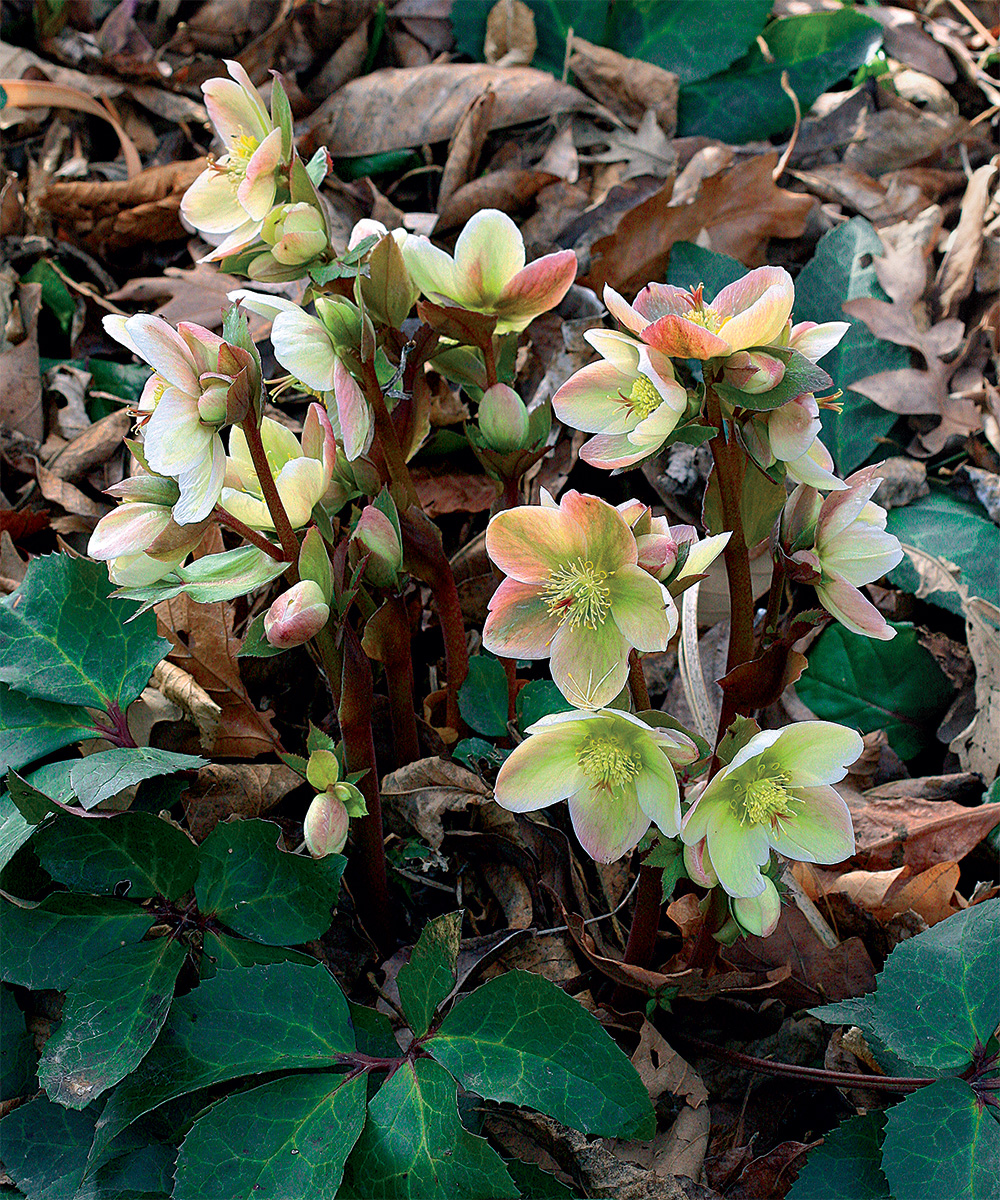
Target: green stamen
x=607, y=764
x=762, y=801
x=644, y=398
x=578, y=593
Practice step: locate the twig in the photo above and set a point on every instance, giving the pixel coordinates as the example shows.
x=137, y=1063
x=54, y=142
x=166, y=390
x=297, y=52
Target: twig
x=782, y=162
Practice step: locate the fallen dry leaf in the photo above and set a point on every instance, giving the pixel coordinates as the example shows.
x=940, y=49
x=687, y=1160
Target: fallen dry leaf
x=196, y=294
x=418, y=795
x=509, y=190
x=183, y=690
x=648, y=151
x=466, y=146
x=628, y=87
x=739, y=209
x=223, y=790
x=20, y=377
x=771, y=1175
x=453, y=491
x=91, y=448
x=511, y=39
x=958, y=269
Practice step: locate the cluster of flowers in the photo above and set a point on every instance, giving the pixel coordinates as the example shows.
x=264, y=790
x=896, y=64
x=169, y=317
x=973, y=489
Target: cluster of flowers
x=587, y=586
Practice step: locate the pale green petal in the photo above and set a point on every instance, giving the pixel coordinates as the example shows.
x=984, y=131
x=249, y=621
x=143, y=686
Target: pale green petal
x=816, y=752
x=759, y=915
x=658, y=793
x=589, y=666
x=542, y=770
x=607, y=827
x=489, y=252
x=818, y=830
x=642, y=609
x=737, y=852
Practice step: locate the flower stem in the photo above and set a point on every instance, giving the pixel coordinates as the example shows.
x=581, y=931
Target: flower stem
x=252, y=536
x=395, y=461
x=269, y=490
x=489, y=360
x=774, y=597
x=367, y=865
x=645, y=923
x=398, y=659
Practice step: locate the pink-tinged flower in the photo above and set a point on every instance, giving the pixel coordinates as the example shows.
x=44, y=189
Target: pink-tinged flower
x=301, y=480
x=488, y=273
x=814, y=341
x=297, y=615
x=326, y=826
x=575, y=594
x=305, y=346
x=670, y=553
x=776, y=794
x=750, y=312
x=187, y=398
x=753, y=372
x=789, y=434
x=754, y=914
x=229, y=201
x=630, y=400
x=615, y=770
x=377, y=536
x=839, y=543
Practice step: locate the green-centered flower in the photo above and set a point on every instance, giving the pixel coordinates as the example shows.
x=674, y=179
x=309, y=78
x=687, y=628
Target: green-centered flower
x=615, y=770
x=777, y=793
x=575, y=594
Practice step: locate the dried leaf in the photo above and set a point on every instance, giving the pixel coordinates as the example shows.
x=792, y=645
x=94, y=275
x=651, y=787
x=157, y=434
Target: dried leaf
x=648, y=151
x=511, y=39
x=93, y=446
x=417, y=796
x=242, y=789
x=67, y=496
x=509, y=190
x=627, y=87
x=182, y=689
x=454, y=491
x=197, y=294
x=466, y=146
x=958, y=270
x=20, y=377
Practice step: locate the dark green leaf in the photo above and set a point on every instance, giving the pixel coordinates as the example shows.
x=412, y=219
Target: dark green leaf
x=146, y=1173
x=114, y=1010
x=939, y=1142
x=841, y=270
x=33, y=805
x=536, y=1184
x=691, y=264
x=553, y=20
x=134, y=854
x=255, y=644
x=99, y=776
x=16, y=1047
x=261, y=891
x=30, y=729
x=937, y=993
x=482, y=698
x=221, y=952
x=241, y=1022
x=521, y=1039
x=747, y=103
x=44, y=1148
x=868, y=684
x=120, y=379
x=956, y=532
x=287, y=1139
x=470, y=752
x=68, y=642
x=846, y=1166
x=692, y=40
x=374, y=1031
x=429, y=976
x=668, y=855
x=49, y=943
x=538, y=699
x=414, y=1147
x=56, y=296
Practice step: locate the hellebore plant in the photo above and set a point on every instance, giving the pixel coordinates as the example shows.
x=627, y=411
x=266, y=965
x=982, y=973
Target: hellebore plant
x=332, y=524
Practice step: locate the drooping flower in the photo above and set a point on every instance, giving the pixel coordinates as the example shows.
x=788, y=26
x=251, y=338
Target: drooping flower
x=295, y=234
x=301, y=479
x=839, y=543
x=574, y=593
x=670, y=553
x=230, y=199
x=630, y=400
x=790, y=434
x=754, y=914
x=488, y=273
x=616, y=772
x=776, y=793
x=328, y=818
x=197, y=378
x=750, y=312
x=377, y=537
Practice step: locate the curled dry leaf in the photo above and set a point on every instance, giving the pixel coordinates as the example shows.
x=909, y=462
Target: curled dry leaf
x=417, y=796
x=958, y=270
x=182, y=689
x=93, y=446
x=20, y=378
x=627, y=87
x=197, y=295
x=511, y=39
x=466, y=146
x=508, y=189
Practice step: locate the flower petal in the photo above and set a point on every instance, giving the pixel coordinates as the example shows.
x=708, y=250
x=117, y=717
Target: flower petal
x=542, y=770
x=519, y=624
x=528, y=543
x=301, y=484
x=165, y=350
x=792, y=428
x=814, y=341
x=658, y=793
x=756, y=307
x=488, y=254
x=174, y=439
x=303, y=346
x=815, y=752
x=622, y=311
x=759, y=914
x=210, y=203
x=353, y=413
x=662, y=300
x=680, y=338
x=861, y=554
x=737, y=852
x=128, y=530
x=818, y=830
x=618, y=348
x=609, y=451
x=609, y=541
x=589, y=666
x=431, y=269
x=201, y=486
x=540, y=286
x=642, y=609
x=607, y=827
x=593, y=400
x=257, y=189
x=852, y=610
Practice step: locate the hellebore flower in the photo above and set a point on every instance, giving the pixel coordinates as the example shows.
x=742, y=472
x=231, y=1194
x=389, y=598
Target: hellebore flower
x=839, y=543
x=377, y=536
x=753, y=311
x=814, y=341
x=616, y=772
x=305, y=346
x=296, y=615
x=670, y=553
x=188, y=399
x=789, y=434
x=328, y=818
x=754, y=914
x=301, y=480
x=776, y=794
x=574, y=593
x=295, y=234
x=488, y=274
x=229, y=201
x=630, y=400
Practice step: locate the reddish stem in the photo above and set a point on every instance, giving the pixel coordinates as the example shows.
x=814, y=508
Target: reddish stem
x=395, y=460
x=252, y=536
x=269, y=490
x=398, y=660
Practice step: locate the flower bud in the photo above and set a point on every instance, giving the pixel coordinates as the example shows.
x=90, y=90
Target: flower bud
x=296, y=233
x=753, y=371
x=296, y=615
x=758, y=915
x=326, y=825
x=699, y=866
x=323, y=770
x=376, y=536
x=214, y=399
x=503, y=419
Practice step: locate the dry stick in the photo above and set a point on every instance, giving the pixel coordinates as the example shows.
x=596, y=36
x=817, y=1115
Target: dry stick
x=367, y=864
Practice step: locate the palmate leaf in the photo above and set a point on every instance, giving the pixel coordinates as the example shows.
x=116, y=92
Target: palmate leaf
x=281, y=1016
x=429, y=976
x=847, y=1165
x=522, y=1040
x=66, y=641
x=287, y=1138
x=414, y=1146
x=114, y=1010
x=261, y=891
x=30, y=729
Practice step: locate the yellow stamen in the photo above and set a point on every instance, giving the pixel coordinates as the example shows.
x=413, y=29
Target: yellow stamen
x=644, y=398
x=607, y=764
x=578, y=593
x=762, y=801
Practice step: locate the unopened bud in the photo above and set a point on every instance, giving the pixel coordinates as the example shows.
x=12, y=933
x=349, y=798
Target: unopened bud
x=699, y=866
x=214, y=400
x=296, y=233
x=503, y=419
x=376, y=535
x=296, y=615
x=753, y=372
x=326, y=825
